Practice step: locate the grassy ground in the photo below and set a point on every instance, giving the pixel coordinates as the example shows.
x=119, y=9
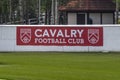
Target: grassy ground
x=59, y=66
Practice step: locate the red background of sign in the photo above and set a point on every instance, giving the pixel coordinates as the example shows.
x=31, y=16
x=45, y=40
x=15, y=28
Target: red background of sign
x=84, y=36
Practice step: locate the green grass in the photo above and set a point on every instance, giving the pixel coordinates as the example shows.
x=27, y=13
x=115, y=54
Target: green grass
x=59, y=66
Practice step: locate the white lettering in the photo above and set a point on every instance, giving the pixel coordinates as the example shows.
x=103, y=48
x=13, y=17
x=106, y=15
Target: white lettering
x=73, y=33
x=60, y=34
x=76, y=41
x=80, y=32
x=45, y=33
x=66, y=34
x=49, y=41
x=53, y=32
x=38, y=33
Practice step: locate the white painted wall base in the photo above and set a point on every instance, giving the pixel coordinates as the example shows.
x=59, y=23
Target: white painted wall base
x=111, y=41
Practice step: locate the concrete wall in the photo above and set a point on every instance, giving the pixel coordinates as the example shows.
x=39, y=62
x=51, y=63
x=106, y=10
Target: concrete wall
x=111, y=41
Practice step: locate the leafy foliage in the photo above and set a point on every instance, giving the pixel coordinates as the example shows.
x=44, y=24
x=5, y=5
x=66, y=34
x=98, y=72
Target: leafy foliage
x=10, y=9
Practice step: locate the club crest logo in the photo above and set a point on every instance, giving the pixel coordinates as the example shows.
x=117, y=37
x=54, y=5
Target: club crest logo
x=93, y=36
x=25, y=35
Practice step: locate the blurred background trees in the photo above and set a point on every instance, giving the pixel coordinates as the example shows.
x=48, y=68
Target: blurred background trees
x=30, y=11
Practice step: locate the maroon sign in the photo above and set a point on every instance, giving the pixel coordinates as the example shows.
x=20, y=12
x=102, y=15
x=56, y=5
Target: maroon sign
x=60, y=36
